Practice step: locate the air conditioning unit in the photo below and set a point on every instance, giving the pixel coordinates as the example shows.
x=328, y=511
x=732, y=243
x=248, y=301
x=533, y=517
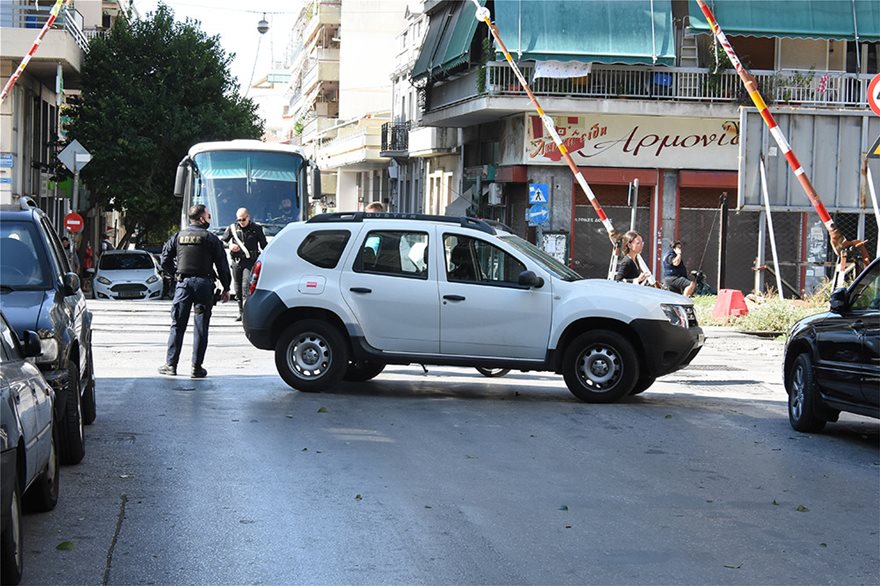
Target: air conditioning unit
x=495, y=191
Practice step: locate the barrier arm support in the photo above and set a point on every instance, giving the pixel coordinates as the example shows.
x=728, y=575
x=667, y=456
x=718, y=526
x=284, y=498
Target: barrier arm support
x=838, y=241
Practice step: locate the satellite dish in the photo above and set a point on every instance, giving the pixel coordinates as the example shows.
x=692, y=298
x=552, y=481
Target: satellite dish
x=263, y=25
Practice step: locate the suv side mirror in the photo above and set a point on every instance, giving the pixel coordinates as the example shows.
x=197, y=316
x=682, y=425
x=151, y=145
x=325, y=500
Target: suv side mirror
x=30, y=344
x=71, y=284
x=839, y=301
x=530, y=279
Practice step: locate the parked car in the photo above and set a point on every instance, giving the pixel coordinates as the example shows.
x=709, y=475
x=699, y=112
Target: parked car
x=127, y=274
x=340, y=296
x=39, y=292
x=28, y=444
x=832, y=360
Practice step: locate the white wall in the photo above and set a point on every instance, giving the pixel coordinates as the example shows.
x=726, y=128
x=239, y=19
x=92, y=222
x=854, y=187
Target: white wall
x=369, y=30
x=346, y=191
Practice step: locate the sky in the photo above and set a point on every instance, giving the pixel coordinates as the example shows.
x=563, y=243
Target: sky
x=236, y=23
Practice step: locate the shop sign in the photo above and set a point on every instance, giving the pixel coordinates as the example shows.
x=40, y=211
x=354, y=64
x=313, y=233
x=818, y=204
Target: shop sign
x=653, y=142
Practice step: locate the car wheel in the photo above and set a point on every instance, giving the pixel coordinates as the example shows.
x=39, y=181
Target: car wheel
x=600, y=367
x=89, y=406
x=73, y=441
x=362, y=371
x=804, y=408
x=492, y=372
x=43, y=493
x=11, y=548
x=311, y=356
x=643, y=384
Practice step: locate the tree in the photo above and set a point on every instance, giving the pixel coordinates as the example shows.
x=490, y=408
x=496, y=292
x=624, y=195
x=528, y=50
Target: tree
x=150, y=90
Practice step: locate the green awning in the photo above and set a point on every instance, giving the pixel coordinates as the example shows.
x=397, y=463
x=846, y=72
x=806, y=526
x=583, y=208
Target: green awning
x=596, y=31
x=809, y=19
x=448, y=41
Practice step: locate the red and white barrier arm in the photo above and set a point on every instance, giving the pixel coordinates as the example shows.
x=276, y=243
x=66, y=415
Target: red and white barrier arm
x=53, y=14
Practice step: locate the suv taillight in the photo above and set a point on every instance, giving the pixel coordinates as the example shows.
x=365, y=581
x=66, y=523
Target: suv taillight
x=255, y=275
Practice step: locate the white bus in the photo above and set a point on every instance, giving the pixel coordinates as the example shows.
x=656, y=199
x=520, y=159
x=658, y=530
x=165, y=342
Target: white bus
x=270, y=180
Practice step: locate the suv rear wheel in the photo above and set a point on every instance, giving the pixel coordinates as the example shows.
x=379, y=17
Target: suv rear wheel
x=804, y=410
x=600, y=367
x=311, y=355
x=73, y=441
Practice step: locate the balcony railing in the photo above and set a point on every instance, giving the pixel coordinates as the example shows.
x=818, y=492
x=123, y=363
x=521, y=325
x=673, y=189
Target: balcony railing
x=395, y=137
x=681, y=84
x=24, y=15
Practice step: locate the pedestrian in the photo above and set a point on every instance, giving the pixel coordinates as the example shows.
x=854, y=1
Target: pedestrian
x=675, y=275
x=106, y=244
x=629, y=267
x=72, y=258
x=375, y=207
x=191, y=255
x=248, y=240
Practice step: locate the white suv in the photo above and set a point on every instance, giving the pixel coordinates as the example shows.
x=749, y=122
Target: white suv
x=340, y=296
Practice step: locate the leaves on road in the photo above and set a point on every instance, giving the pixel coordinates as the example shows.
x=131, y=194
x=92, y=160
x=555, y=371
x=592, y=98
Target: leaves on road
x=775, y=502
x=65, y=546
x=358, y=497
x=667, y=417
x=802, y=509
x=732, y=567
x=563, y=508
x=323, y=410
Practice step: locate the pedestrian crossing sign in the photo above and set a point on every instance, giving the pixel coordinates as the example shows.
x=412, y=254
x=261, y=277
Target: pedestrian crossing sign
x=874, y=152
x=539, y=193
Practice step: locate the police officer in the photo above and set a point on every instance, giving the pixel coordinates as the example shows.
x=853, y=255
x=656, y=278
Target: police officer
x=247, y=240
x=189, y=255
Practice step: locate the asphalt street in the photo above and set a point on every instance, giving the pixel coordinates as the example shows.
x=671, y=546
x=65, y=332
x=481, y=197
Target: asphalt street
x=447, y=477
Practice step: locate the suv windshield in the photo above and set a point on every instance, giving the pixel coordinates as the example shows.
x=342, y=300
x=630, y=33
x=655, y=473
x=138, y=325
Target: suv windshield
x=23, y=262
x=126, y=262
x=546, y=261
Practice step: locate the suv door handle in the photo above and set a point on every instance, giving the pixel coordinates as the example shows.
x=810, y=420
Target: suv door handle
x=453, y=297
x=360, y=290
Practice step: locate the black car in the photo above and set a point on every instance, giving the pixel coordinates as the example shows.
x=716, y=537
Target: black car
x=39, y=292
x=832, y=360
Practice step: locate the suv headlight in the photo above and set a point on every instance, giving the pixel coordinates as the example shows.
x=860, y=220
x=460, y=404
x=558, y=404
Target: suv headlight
x=152, y=280
x=676, y=314
x=103, y=281
x=49, y=348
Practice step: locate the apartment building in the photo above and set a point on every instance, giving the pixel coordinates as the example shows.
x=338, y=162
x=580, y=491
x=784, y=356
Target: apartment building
x=340, y=93
x=31, y=117
x=639, y=90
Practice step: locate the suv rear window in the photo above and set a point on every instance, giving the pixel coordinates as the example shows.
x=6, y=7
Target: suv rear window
x=23, y=262
x=324, y=248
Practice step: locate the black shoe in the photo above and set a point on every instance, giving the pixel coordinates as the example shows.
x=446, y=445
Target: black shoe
x=198, y=372
x=168, y=369
x=238, y=318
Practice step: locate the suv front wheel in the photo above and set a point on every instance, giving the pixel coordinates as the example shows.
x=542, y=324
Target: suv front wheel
x=311, y=355
x=600, y=367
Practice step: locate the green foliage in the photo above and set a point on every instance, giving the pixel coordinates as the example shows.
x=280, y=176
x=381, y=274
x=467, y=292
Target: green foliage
x=485, y=56
x=151, y=89
x=773, y=315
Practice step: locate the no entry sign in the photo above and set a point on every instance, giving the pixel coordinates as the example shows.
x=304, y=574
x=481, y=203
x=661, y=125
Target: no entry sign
x=74, y=222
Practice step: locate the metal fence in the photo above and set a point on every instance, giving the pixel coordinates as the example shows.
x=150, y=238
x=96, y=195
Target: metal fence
x=802, y=87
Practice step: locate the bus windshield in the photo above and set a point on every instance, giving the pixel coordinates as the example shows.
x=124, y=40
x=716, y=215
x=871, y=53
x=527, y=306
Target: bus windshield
x=263, y=182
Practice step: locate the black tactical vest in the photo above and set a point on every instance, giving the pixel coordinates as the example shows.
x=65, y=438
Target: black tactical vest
x=194, y=253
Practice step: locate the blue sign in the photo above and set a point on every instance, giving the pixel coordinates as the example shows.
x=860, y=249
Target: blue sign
x=539, y=193
x=538, y=214
x=6, y=161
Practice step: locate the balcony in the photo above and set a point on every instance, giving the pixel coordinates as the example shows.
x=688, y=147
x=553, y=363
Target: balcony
x=63, y=44
x=425, y=141
x=356, y=145
x=324, y=12
x=320, y=71
x=395, y=139
x=316, y=127
x=682, y=85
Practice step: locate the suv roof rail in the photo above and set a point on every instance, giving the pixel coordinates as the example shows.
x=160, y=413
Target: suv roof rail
x=464, y=222
x=26, y=203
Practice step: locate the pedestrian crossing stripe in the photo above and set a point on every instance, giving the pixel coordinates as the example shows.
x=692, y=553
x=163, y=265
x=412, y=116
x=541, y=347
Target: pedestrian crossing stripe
x=874, y=152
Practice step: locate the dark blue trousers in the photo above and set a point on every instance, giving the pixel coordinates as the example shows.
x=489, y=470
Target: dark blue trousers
x=191, y=293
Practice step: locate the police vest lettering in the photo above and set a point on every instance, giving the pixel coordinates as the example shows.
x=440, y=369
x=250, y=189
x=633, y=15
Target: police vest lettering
x=194, y=253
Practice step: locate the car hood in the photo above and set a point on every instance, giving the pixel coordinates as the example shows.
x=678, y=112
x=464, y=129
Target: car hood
x=128, y=276
x=635, y=293
x=24, y=309
x=604, y=297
